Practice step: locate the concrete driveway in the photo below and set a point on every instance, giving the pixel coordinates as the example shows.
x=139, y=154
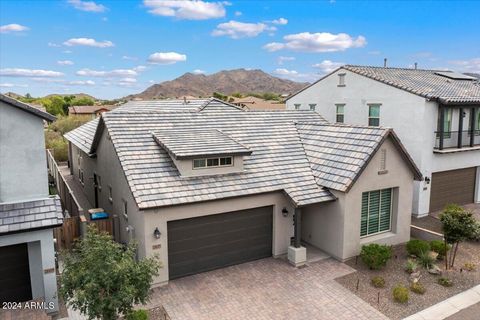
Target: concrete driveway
x=267, y=289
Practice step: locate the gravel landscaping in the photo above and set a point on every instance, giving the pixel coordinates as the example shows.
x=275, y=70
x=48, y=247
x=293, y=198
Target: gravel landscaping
x=394, y=274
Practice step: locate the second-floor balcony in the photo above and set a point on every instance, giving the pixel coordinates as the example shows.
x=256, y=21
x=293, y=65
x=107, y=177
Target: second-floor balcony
x=457, y=139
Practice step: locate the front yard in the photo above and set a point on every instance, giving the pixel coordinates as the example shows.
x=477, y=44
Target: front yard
x=394, y=274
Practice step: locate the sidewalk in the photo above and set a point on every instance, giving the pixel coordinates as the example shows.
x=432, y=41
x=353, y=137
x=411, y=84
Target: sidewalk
x=450, y=306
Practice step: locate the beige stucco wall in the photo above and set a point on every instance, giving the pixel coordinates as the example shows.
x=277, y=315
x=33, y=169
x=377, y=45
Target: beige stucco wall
x=282, y=226
x=335, y=227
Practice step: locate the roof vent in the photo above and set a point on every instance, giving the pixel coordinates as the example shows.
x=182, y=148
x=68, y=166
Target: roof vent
x=384, y=62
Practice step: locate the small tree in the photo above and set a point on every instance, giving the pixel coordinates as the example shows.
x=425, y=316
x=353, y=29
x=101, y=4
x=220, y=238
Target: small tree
x=458, y=225
x=102, y=278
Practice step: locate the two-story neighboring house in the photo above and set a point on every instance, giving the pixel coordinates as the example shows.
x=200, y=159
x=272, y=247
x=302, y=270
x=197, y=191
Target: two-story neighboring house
x=204, y=184
x=27, y=212
x=435, y=113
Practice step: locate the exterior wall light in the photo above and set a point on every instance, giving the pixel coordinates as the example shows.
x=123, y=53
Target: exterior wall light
x=427, y=180
x=156, y=233
x=284, y=212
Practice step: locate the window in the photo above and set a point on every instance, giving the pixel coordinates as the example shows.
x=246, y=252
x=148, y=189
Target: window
x=312, y=106
x=374, y=115
x=125, y=209
x=447, y=123
x=376, y=212
x=383, y=160
x=340, y=118
x=297, y=106
x=476, y=129
x=212, y=162
x=341, y=80
x=99, y=182
x=110, y=194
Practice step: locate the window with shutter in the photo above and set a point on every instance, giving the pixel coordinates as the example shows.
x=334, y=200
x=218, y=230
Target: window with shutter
x=376, y=212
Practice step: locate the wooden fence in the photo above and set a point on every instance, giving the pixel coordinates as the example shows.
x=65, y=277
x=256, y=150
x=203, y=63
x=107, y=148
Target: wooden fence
x=69, y=202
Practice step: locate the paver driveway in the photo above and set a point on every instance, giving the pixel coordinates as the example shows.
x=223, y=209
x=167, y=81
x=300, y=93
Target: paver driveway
x=267, y=289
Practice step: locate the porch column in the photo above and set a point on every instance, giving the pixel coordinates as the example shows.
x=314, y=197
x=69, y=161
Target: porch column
x=460, y=127
x=472, y=126
x=441, y=126
x=297, y=217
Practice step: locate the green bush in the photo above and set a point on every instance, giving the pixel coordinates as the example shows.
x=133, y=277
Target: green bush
x=415, y=247
x=445, y=282
x=411, y=266
x=417, y=288
x=375, y=256
x=426, y=259
x=378, y=282
x=400, y=294
x=439, y=247
x=137, y=315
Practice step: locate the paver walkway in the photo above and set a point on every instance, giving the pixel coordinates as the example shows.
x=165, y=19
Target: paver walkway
x=267, y=289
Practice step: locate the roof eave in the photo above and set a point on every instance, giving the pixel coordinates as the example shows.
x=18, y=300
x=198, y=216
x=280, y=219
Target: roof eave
x=28, y=108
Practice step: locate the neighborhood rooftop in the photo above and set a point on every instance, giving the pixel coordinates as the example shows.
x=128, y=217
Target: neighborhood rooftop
x=28, y=108
x=278, y=160
x=27, y=215
x=187, y=143
x=447, y=86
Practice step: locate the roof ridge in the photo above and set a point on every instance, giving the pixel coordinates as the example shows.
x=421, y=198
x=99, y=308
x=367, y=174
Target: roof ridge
x=347, y=125
x=393, y=68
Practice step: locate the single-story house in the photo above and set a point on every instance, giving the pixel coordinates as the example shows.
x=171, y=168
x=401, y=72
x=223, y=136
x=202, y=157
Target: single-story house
x=93, y=111
x=205, y=184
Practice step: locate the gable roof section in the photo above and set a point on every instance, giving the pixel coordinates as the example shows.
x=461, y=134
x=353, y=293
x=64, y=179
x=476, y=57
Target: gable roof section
x=277, y=161
x=34, y=214
x=28, y=108
x=83, y=136
x=426, y=83
x=338, y=154
x=190, y=143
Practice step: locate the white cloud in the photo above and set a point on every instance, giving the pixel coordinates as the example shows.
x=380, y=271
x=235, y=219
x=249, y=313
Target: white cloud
x=139, y=68
x=285, y=72
x=89, y=6
x=317, y=42
x=107, y=74
x=471, y=65
x=327, y=66
x=238, y=13
x=129, y=58
x=53, y=45
x=13, y=27
x=280, y=21
x=88, y=42
x=65, y=62
x=198, y=71
x=237, y=30
x=13, y=85
x=166, y=58
x=81, y=83
x=18, y=72
x=127, y=82
x=282, y=59
x=294, y=75
x=188, y=10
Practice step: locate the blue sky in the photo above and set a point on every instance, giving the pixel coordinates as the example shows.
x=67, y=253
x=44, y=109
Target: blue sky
x=113, y=48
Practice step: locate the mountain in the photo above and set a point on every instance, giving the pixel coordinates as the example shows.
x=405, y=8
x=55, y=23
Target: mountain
x=225, y=82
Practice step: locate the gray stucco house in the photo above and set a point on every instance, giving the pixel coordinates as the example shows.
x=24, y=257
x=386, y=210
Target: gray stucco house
x=27, y=212
x=204, y=184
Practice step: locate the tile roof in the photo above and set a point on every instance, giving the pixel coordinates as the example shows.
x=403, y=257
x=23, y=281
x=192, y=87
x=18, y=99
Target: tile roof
x=87, y=109
x=83, y=136
x=188, y=143
x=277, y=163
x=22, y=216
x=28, y=108
x=338, y=153
x=426, y=83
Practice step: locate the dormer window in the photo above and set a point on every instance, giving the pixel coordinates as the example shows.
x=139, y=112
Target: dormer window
x=212, y=162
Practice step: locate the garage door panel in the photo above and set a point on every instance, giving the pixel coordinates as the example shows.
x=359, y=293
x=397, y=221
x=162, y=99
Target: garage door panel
x=210, y=242
x=454, y=186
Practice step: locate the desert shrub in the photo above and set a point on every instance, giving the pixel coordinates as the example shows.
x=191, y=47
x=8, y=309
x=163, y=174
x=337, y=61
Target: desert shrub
x=417, y=287
x=411, y=266
x=415, y=247
x=439, y=247
x=137, y=315
x=426, y=259
x=445, y=282
x=400, y=294
x=375, y=256
x=469, y=266
x=378, y=282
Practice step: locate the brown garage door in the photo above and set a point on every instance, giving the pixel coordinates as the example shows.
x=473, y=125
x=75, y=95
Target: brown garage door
x=455, y=186
x=210, y=242
x=14, y=274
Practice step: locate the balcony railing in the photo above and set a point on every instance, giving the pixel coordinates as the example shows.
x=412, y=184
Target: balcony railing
x=456, y=139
